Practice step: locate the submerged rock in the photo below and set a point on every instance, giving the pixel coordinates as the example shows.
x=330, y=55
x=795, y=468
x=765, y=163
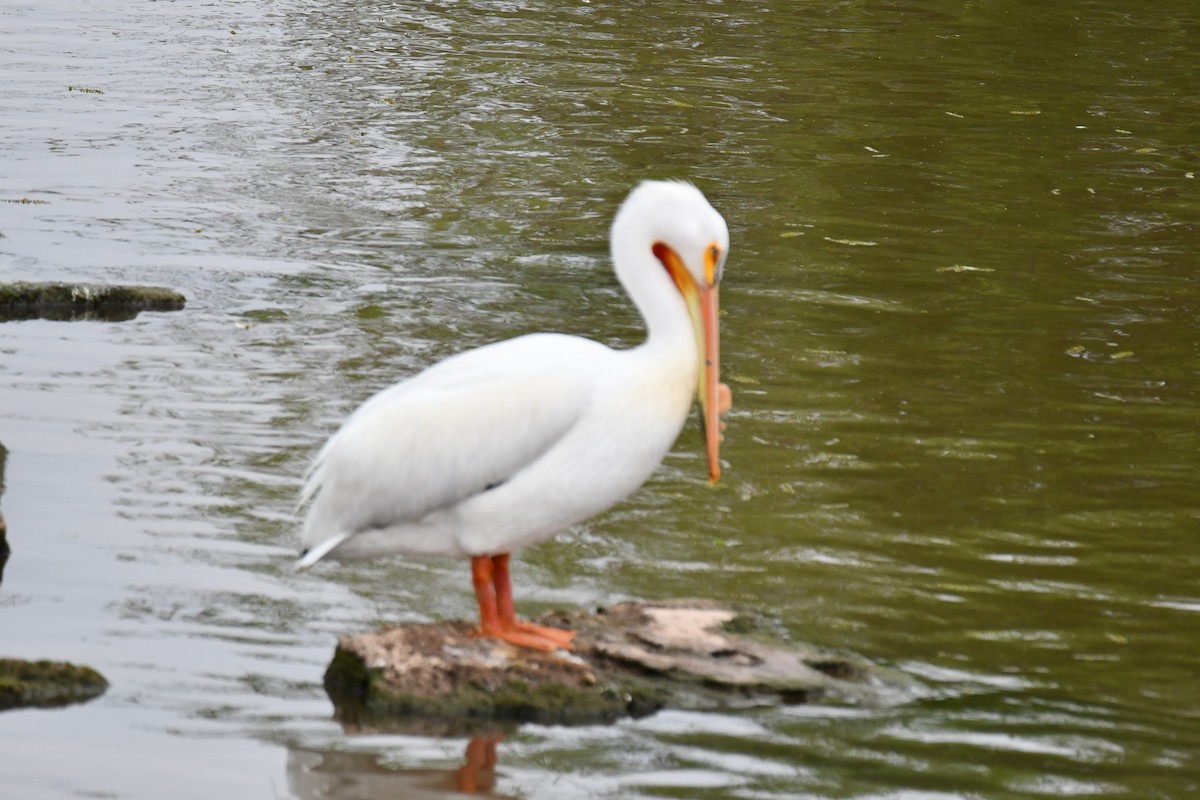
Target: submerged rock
x=69, y=301
x=46, y=683
x=4, y=551
x=629, y=660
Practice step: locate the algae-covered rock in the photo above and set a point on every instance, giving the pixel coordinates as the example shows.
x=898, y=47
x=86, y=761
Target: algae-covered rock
x=46, y=683
x=628, y=660
x=70, y=301
x=441, y=672
x=4, y=551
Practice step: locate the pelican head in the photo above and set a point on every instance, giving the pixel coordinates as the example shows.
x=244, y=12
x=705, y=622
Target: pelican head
x=673, y=222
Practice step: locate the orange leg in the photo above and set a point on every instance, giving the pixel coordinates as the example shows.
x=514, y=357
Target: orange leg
x=497, y=616
x=508, y=616
x=485, y=593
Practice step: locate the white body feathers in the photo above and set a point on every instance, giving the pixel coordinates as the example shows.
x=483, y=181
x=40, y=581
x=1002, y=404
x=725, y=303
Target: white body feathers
x=501, y=447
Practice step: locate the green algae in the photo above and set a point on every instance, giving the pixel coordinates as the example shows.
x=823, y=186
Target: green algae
x=70, y=301
x=46, y=684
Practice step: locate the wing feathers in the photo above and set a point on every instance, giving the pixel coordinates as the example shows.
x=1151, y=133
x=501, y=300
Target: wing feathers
x=429, y=443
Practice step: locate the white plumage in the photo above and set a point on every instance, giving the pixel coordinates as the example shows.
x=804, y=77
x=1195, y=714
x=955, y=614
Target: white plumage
x=501, y=447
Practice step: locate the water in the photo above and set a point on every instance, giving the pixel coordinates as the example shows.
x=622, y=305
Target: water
x=961, y=329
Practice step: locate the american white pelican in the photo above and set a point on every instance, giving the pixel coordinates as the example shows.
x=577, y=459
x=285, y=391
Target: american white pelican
x=502, y=447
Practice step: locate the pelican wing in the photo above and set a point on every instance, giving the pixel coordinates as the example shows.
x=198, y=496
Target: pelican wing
x=462, y=427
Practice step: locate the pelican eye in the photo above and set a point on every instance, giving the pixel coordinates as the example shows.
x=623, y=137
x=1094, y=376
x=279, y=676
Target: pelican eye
x=712, y=264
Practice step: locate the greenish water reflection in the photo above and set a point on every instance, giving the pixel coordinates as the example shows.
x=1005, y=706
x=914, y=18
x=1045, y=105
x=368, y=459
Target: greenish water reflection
x=960, y=325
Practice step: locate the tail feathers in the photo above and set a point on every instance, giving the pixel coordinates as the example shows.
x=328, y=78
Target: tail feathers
x=318, y=551
x=312, y=483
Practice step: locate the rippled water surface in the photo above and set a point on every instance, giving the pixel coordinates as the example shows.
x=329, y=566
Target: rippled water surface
x=961, y=326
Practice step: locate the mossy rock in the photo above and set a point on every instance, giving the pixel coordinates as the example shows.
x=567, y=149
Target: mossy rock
x=628, y=660
x=70, y=301
x=3, y=527
x=453, y=682
x=46, y=684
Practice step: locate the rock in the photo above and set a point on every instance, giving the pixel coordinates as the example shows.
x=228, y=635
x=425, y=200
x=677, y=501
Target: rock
x=46, y=683
x=4, y=551
x=629, y=660
x=69, y=301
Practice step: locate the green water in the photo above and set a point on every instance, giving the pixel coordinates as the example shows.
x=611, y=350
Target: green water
x=961, y=324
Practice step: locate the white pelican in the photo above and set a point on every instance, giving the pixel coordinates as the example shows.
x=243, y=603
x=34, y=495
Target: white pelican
x=502, y=447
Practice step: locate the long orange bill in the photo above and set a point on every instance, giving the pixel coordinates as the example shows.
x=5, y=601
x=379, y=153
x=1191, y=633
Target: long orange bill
x=710, y=380
x=703, y=305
